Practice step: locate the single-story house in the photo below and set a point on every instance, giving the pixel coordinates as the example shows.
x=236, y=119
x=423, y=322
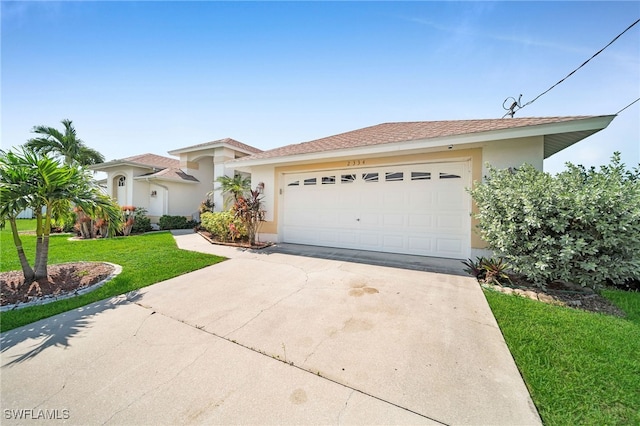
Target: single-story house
x=394, y=187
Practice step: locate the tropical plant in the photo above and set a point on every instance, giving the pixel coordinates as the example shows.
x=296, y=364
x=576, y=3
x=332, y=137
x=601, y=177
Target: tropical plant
x=580, y=226
x=141, y=222
x=63, y=144
x=235, y=186
x=488, y=270
x=249, y=210
x=30, y=179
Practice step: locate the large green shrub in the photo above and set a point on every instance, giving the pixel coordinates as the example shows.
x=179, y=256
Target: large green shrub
x=581, y=226
x=223, y=225
x=176, y=222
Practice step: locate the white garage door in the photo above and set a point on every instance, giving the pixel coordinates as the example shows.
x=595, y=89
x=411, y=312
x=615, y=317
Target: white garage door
x=414, y=209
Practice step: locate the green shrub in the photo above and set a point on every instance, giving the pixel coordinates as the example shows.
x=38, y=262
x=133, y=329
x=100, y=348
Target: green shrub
x=141, y=222
x=223, y=225
x=580, y=226
x=176, y=222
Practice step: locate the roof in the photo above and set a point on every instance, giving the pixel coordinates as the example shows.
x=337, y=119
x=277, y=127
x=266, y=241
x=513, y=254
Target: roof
x=389, y=133
x=151, y=161
x=170, y=173
x=220, y=142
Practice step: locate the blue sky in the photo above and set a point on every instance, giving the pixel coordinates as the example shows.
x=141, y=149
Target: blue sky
x=139, y=77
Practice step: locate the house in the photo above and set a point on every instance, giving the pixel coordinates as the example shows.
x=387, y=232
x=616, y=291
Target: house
x=394, y=187
x=170, y=186
x=399, y=187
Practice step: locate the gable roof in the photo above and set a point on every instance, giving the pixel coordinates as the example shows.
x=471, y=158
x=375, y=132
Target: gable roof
x=171, y=174
x=390, y=133
x=248, y=149
x=150, y=161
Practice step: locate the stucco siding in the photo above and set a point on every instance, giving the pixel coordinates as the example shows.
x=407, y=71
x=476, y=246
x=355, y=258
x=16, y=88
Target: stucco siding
x=513, y=153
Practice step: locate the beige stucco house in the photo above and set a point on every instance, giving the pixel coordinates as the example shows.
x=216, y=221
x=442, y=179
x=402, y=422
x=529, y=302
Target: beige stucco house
x=393, y=187
x=170, y=186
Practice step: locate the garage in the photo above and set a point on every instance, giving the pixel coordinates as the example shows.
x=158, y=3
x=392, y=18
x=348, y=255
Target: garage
x=420, y=209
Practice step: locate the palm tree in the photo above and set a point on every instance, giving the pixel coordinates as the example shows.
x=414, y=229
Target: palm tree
x=15, y=196
x=66, y=145
x=35, y=180
x=236, y=186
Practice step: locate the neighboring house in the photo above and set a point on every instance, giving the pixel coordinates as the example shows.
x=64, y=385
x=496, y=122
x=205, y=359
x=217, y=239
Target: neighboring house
x=168, y=186
x=393, y=187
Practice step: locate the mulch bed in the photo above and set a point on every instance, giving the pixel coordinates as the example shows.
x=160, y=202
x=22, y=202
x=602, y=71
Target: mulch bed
x=62, y=279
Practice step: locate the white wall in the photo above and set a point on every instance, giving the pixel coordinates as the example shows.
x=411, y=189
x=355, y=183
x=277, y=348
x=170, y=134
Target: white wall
x=265, y=175
x=513, y=153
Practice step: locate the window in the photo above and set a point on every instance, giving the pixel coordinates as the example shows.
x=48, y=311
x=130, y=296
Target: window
x=328, y=180
x=393, y=176
x=348, y=178
x=370, y=177
x=122, y=181
x=420, y=175
x=294, y=183
x=310, y=181
x=448, y=176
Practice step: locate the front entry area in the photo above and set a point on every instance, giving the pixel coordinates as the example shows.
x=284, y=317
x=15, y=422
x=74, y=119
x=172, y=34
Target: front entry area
x=420, y=209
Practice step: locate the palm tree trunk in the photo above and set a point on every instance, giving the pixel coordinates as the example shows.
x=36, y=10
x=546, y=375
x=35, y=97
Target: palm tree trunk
x=39, y=238
x=43, y=255
x=27, y=271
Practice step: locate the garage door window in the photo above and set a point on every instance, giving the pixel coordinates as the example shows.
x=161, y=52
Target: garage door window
x=420, y=175
x=449, y=176
x=370, y=177
x=294, y=183
x=394, y=176
x=348, y=178
x=310, y=181
x=328, y=180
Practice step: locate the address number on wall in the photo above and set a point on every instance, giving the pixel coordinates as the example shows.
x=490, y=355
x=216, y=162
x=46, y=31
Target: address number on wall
x=355, y=163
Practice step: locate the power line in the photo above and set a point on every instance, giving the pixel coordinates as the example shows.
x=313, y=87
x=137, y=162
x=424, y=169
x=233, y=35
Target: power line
x=628, y=106
x=516, y=103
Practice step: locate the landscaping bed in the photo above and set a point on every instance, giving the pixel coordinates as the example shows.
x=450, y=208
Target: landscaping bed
x=62, y=279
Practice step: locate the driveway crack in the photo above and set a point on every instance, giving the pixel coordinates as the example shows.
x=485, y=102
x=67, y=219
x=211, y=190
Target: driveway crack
x=302, y=287
x=346, y=404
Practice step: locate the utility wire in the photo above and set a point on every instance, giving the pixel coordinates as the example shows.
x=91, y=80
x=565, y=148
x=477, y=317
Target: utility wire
x=628, y=106
x=516, y=104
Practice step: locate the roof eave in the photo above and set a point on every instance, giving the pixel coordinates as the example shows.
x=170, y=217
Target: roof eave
x=574, y=131
x=116, y=163
x=165, y=179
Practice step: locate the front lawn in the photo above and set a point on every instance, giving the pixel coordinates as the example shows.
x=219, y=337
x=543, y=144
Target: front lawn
x=580, y=367
x=145, y=260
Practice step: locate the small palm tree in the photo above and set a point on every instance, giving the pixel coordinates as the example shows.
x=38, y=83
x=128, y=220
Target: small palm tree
x=236, y=186
x=66, y=145
x=49, y=188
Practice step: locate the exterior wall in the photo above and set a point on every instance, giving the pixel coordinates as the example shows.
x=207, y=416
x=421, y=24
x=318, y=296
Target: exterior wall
x=513, y=153
x=272, y=177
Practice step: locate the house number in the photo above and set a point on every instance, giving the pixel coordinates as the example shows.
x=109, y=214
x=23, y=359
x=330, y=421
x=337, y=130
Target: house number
x=355, y=163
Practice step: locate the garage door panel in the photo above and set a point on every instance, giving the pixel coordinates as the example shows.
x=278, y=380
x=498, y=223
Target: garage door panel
x=396, y=242
x=416, y=209
x=420, y=221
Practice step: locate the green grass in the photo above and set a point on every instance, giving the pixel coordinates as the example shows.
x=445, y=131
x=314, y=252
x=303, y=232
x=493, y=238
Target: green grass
x=580, y=367
x=145, y=260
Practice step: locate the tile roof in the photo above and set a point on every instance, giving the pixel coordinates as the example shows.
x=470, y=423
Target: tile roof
x=227, y=141
x=405, y=131
x=151, y=160
x=171, y=173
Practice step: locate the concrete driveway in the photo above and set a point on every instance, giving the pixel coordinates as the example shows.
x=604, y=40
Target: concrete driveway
x=271, y=338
